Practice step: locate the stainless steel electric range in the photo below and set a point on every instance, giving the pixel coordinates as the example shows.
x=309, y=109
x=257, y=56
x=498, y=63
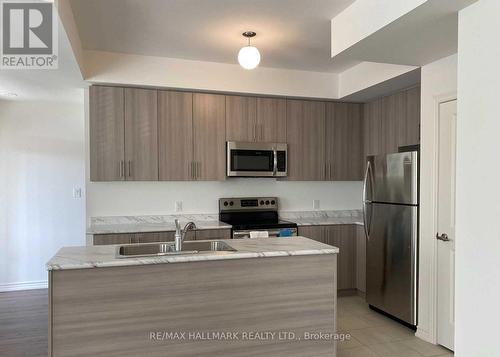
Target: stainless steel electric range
x=254, y=214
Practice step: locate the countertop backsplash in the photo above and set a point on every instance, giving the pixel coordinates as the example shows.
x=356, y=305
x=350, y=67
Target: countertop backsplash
x=128, y=224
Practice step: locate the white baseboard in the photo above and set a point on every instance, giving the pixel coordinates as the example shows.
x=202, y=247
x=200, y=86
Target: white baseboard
x=27, y=285
x=424, y=335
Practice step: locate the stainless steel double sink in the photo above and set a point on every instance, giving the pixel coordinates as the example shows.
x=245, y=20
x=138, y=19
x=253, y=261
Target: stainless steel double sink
x=167, y=248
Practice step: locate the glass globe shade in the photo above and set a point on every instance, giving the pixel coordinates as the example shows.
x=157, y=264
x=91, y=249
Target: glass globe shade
x=249, y=57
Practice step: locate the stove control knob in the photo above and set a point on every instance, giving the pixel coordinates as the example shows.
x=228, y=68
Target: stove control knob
x=267, y=202
x=231, y=203
x=225, y=203
x=273, y=202
x=261, y=202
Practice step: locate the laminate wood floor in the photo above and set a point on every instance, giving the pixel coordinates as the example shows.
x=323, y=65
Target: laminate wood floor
x=374, y=335
x=24, y=324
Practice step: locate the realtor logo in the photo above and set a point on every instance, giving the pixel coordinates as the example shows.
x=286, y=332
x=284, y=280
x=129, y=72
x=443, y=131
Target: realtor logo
x=29, y=35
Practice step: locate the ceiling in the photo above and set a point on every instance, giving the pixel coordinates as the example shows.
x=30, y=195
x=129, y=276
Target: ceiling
x=62, y=84
x=291, y=34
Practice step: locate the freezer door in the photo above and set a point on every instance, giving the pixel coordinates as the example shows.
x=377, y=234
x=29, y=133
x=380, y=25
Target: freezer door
x=391, y=270
x=393, y=178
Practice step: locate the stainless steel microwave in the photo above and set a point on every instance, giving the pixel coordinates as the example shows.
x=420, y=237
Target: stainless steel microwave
x=256, y=159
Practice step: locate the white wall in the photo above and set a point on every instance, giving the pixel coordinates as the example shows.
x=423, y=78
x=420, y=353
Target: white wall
x=41, y=160
x=144, y=198
x=368, y=74
x=109, y=67
x=438, y=82
x=364, y=17
x=478, y=172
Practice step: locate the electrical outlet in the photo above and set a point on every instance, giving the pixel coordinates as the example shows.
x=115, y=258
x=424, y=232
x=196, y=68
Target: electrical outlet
x=178, y=206
x=315, y=204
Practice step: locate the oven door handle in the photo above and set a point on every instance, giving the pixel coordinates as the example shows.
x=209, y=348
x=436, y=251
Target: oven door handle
x=246, y=233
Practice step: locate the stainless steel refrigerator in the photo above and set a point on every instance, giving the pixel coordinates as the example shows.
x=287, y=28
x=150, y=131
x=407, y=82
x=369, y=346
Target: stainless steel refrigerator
x=390, y=211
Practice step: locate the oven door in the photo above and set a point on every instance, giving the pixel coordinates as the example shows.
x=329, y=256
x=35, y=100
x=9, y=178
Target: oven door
x=272, y=233
x=250, y=159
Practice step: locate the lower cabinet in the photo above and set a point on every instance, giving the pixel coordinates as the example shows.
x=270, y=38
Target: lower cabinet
x=360, y=259
x=345, y=237
x=151, y=237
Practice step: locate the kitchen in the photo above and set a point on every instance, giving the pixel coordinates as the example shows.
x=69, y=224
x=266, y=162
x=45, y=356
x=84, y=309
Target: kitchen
x=246, y=187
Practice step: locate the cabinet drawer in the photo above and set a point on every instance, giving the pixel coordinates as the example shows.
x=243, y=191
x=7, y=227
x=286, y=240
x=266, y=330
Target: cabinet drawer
x=107, y=239
x=213, y=234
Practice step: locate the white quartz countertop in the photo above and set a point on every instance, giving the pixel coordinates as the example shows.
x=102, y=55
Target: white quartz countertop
x=143, y=224
x=320, y=218
x=105, y=256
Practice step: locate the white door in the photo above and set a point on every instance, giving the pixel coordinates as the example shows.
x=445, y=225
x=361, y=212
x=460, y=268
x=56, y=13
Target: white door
x=445, y=236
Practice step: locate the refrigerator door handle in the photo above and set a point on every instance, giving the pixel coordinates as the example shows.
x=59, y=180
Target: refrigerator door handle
x=366, y=202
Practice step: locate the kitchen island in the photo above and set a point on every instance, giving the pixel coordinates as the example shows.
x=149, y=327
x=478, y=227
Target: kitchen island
x=270, y=296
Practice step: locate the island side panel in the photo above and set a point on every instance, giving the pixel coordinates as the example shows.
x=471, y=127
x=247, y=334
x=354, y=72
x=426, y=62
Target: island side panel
x=113, y=311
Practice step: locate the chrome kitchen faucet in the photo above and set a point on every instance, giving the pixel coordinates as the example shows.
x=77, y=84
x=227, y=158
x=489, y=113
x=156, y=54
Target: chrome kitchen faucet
x=180, y=234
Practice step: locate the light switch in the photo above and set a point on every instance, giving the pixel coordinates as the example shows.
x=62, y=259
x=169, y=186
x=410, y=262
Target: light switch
x=77, y=192
x=315, y=204
x=178, y=206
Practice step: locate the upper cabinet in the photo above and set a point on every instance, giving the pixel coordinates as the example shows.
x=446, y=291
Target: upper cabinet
x=107, y=134
x=271, y=120
x=141, y=134
x=393, y=114
x=373, y=136
x=209, y=136
x=241, y=118
x=344, y=141
x=175, y=136
x=251, y=119
x=411, y=134
x=147, y=134
x=392, y=121
x=123, y=134
x=305, y=127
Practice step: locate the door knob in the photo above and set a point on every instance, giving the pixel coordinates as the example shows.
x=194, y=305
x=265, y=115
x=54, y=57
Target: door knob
x=444, y=237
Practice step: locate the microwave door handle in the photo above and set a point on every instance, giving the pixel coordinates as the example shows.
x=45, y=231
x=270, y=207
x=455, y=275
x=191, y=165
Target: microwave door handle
x=275, y=161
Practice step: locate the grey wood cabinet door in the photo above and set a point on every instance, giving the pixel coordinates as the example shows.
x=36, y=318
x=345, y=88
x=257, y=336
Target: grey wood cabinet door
x=360, y=258
x=106, y=128
x=241, y=121
x=374, y=144
x=344, y=142
x=107, y=239
x=393, y=120
x=209, y=136
x=271, y=120
x=344, y=238
x=213, y=234
x=305, y=127
x=316, y=233
x=411, y=134
x=141, y=134
x=175, y=136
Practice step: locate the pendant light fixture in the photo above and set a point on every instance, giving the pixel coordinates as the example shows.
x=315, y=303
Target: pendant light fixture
x=249, y=56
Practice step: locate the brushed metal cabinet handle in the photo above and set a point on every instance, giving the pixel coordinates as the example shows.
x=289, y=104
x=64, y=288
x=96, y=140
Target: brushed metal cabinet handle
x=129, y=169
x=122, y=168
